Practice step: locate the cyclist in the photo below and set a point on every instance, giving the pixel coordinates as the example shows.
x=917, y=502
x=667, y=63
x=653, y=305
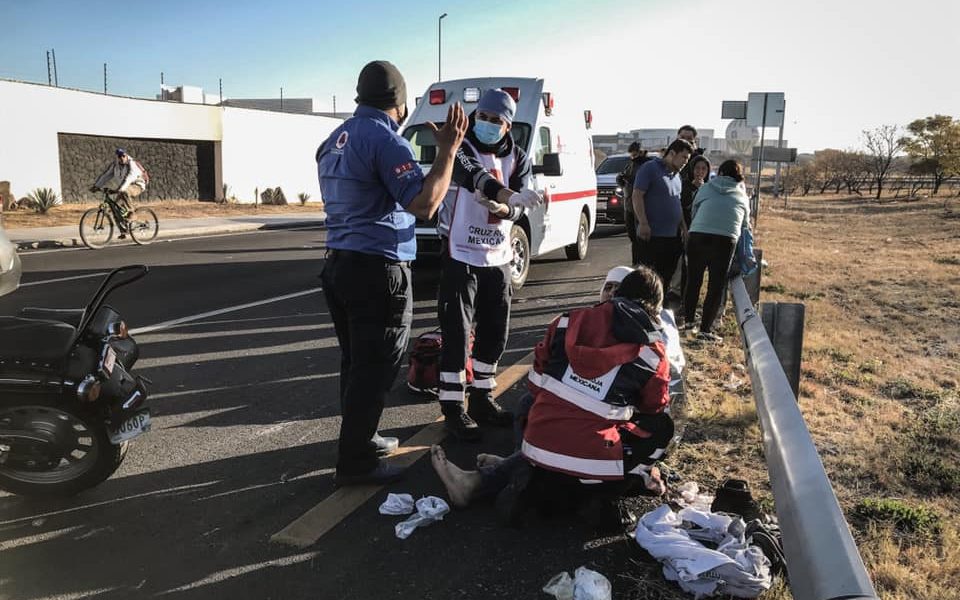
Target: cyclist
x=130, y=177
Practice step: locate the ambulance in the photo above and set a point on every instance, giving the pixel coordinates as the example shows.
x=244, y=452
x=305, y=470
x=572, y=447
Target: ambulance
x=557, y=141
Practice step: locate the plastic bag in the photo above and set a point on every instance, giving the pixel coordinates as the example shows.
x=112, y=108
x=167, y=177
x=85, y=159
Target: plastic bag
x=429, y=510
x=586, y=584
x=397, y=504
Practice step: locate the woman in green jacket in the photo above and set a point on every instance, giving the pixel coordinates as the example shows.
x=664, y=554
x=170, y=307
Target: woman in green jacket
x=721, y=209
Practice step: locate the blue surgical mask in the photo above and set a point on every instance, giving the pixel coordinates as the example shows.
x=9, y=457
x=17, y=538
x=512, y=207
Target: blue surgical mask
x=487, y=133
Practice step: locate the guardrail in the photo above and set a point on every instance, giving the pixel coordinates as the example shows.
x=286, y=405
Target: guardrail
x=822, y=558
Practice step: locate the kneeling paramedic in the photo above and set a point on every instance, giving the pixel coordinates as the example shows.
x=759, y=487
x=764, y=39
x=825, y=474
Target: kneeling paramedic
x=491, y=175
x=373, y=188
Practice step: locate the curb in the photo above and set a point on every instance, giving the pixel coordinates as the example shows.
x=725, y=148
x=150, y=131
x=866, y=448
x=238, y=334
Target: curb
x=76, y=242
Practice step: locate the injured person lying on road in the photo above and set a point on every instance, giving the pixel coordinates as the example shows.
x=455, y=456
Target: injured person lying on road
x=598, y=421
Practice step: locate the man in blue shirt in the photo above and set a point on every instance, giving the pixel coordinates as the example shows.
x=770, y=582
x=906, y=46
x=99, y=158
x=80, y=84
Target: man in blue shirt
x=373, y=190
x=656, y=203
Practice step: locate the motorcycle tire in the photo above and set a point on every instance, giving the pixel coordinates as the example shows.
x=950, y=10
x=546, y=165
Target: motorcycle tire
x=82, y=431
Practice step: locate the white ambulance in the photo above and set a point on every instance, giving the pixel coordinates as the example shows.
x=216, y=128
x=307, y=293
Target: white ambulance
x=558, y=143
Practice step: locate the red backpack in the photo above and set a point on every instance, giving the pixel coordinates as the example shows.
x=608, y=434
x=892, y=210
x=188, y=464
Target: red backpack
x=423, y=374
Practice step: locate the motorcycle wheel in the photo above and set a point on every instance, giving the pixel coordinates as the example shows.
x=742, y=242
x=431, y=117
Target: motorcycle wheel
x=79, y=457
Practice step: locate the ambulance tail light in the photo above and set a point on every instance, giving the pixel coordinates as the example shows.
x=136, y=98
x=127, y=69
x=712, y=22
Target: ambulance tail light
x=514, y=93
x=548, y=103
x=471, y=94
x=438, y=96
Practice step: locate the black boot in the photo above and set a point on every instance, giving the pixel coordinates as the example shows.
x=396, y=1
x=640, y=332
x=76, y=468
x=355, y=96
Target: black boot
x=734, y=497
x=458, y=423
x=485, y=410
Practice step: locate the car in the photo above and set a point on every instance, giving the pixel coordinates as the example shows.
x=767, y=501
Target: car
x=557, y=141
x=10, y=267
x=609, y=193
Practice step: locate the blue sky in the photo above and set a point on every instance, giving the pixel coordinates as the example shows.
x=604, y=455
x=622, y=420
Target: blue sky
x=844, y=66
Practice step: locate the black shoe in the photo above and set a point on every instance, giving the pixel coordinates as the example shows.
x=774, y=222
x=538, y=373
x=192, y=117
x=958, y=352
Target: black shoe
x=734, y=497
x=459, y=424
x=767, y=538
x=484, y=410
x=608, y=516
x=381, y=475
x=385, y=445
x=122, y=236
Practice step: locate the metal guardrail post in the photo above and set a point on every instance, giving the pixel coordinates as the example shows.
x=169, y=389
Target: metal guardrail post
x=822, y=558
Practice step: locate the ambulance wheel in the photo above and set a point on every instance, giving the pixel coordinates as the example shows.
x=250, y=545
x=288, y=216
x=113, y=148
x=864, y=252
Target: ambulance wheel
x=578, y=250
x=520, y=266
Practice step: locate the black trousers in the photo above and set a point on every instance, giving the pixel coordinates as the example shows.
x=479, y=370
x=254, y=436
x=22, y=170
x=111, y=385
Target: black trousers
x=371, y=301
x=471, y=294
x=631, y=221
x=713, y=253
x=661, y=254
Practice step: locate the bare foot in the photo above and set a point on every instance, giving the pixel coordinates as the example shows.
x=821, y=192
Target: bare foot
x=488, y=460
x=654, y=483
x=460, y=484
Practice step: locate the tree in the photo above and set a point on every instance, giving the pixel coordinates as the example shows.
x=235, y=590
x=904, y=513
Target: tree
x=934, y=146
x=826, y=165
x=883, y=144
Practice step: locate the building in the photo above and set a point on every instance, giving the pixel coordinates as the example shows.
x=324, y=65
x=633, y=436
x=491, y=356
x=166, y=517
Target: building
x=63, y=139
x=739, y=140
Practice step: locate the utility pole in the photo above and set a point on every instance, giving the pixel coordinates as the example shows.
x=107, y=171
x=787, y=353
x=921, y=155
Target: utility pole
x=776, y=181
x=440, y=47
x=281, y=98
x=104, y=78
x=334, y=105
x=53, y=53
x=161, y=86
x=221, y=90
x=49, y=73
x=756, y=191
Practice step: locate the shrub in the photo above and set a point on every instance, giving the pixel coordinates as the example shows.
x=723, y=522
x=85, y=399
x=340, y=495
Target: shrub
x=43, y=199
x=904, y=517
x=303, y=197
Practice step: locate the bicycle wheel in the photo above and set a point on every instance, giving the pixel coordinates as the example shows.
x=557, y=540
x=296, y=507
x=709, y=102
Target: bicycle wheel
x=96, y=228
x=143, y=225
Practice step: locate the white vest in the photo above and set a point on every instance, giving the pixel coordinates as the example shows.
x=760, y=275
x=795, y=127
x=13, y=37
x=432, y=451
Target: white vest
x=476, y=236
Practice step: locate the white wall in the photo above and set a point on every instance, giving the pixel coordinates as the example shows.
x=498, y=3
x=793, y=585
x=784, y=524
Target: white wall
x=259, y=148
x=264, y=149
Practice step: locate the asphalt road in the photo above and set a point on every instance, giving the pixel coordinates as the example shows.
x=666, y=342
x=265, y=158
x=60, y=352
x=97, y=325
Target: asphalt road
x=244, y=438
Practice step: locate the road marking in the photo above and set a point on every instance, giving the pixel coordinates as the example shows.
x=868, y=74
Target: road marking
x=221, y=311
x=59, y=279
x=323, y=517
x=226, y=574
x=177, y=239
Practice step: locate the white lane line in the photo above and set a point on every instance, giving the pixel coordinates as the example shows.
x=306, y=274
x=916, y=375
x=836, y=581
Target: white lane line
x=156, y=338
x=202, y=357
x=59, y=279
x=227, y=574
x=221, y=311
x=213, y=390
x=177, y=239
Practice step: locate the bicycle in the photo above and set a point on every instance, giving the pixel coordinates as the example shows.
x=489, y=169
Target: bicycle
x=97, y=224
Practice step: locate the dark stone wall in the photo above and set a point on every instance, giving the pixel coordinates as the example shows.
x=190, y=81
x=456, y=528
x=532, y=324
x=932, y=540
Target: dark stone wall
x=179, y=169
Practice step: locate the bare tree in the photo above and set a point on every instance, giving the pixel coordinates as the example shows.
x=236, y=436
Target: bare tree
x=883, y=144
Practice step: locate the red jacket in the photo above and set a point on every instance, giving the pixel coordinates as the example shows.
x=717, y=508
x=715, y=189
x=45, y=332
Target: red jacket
x=594, y=370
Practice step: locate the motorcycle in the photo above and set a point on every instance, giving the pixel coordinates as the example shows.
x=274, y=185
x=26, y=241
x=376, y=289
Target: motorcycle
x=69, y=404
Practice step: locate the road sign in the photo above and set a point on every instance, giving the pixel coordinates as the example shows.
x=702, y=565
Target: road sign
x=733, y=109
x=773, y=154
x=775, y=108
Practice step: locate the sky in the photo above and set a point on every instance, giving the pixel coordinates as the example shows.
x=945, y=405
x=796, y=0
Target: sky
x=844, y=65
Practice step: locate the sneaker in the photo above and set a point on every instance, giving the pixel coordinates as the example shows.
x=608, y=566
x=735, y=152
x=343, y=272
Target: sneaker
x=767, y=538
x=459, y=424
x=709, y=336
x=484, y=410
x=385, y=445
x=381, y=475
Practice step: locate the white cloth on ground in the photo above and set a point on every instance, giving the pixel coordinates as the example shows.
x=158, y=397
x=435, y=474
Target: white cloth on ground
x=429, y=510
x=734, y=568
x=690, y=496
x=586, y=584
x=397, y=504
x=672, y=337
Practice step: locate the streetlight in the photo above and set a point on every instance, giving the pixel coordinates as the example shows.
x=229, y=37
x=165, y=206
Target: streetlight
x=440, y=44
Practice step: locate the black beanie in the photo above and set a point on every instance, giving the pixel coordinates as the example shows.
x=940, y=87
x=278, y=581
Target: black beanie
x=381, y=85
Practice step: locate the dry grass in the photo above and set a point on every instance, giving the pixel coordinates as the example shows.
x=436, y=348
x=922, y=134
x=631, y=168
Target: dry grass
x=69, y=214
x=881, y=285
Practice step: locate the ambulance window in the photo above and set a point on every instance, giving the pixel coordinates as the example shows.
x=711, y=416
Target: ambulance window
x=542, y=146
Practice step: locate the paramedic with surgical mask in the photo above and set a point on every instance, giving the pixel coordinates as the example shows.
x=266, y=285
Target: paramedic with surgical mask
x=491, y=174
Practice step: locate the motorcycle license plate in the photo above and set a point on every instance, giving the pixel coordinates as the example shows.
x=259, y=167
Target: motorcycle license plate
x=109, y=360
x=136, y=425
x=602, y=204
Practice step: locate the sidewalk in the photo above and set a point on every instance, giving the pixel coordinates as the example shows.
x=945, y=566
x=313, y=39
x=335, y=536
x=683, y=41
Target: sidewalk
x=69, y=236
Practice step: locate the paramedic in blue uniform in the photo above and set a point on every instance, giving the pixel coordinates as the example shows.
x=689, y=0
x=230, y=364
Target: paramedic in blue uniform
x=492, y=176
x=373, y=190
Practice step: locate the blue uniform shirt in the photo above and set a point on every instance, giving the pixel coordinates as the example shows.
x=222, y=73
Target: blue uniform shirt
x=368, y=176
x=661, y=197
